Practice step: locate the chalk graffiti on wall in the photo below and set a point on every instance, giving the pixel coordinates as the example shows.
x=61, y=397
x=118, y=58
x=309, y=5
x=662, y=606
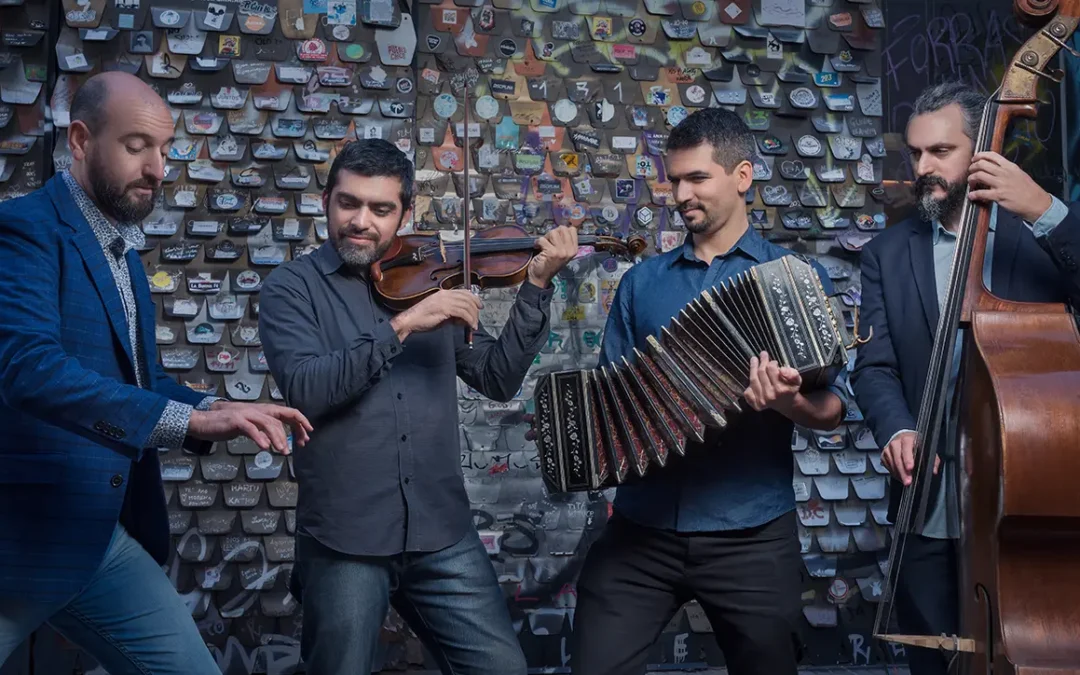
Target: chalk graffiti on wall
x=1071, y=86
x=973, y=43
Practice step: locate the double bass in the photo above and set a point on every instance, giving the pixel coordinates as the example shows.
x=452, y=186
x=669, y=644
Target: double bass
x=1018, y=430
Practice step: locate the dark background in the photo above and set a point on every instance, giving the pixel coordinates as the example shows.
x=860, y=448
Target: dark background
x=929, y=42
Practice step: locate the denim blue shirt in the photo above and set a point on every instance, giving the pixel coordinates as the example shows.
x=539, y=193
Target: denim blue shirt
x=736, y=479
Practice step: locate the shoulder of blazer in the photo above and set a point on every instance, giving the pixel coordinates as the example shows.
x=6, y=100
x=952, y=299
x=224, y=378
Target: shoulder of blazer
x=35, y=213
x=894, y=236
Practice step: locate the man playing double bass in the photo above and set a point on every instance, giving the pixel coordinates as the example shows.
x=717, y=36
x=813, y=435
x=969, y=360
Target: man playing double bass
x=1032, y=245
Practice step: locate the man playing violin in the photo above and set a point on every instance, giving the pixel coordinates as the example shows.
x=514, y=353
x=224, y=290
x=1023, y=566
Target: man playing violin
x=1031, y=246
x=717, y=525
x=383, y=517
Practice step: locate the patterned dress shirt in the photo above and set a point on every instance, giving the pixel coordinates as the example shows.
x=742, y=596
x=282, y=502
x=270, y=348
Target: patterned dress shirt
x=116, y=241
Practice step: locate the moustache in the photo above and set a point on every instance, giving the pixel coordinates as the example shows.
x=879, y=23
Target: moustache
x=683, y=208
x=360, y=235
x=145, y=185
x=924, y=183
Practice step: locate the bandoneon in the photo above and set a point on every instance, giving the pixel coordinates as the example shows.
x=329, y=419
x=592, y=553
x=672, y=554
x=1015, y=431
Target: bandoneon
x=600, y=427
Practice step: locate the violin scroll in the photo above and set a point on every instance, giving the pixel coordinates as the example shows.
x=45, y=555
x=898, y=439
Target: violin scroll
x=632, y=247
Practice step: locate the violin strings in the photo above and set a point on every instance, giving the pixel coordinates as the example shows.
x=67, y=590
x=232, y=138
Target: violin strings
x=491, y=245
x=932, y=404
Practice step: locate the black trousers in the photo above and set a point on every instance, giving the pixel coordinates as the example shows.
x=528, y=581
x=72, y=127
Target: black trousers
x=926, y=599
x=635, y=578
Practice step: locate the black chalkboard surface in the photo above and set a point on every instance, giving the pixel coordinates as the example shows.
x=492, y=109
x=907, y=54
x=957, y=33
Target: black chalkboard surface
x=971, y=41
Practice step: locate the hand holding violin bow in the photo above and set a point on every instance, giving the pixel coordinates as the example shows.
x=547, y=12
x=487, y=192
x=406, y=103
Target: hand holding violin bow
x=458, y=305
x=556, y=248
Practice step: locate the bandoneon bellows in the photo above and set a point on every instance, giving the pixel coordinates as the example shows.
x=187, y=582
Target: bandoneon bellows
x=600, y=427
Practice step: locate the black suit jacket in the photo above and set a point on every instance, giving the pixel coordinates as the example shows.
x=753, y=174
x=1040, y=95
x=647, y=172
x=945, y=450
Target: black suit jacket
x=899, y=299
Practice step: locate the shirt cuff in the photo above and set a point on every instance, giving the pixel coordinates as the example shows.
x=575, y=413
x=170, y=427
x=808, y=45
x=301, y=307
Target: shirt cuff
x=535, y=296
x=172, y=427
x=1050, y=218
x=207, y=402
x=843, y=396
x=893, y=437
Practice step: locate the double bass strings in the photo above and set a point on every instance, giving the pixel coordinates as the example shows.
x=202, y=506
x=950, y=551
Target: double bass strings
x=928, y=428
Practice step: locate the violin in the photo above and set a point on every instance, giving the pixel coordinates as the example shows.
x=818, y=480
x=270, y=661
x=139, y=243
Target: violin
x=1017, y=421
x=418, y=265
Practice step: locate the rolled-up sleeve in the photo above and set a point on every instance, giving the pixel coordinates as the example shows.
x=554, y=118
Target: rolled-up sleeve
x=839, y=386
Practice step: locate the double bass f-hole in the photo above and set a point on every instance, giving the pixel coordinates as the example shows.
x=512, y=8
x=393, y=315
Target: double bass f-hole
x=988, y=628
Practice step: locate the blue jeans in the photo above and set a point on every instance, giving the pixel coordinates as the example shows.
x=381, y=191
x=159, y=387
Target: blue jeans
x=129, y=617
x=450, y=598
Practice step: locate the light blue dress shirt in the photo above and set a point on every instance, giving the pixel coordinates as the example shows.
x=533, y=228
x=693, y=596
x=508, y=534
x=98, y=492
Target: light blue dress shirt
x=943, y=522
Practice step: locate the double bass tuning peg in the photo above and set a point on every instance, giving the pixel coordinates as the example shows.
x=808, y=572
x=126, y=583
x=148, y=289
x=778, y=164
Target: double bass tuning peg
x=1055, y=75
x=1053, y=33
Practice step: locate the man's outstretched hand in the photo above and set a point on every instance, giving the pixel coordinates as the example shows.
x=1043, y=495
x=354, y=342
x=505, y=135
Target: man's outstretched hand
x=263, y=423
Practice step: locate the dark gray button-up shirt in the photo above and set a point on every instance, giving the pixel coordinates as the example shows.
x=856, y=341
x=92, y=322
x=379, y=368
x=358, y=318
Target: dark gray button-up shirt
x=382, y=472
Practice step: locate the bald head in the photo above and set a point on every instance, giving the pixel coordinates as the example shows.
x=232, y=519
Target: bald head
x=119, y=137
x=99, y=98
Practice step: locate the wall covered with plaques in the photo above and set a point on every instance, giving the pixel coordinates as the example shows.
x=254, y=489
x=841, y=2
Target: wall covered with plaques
x=574, y=101
x=24, y=79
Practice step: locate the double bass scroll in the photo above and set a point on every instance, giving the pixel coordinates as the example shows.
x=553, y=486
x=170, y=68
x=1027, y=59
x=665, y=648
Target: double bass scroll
x=1018, y=426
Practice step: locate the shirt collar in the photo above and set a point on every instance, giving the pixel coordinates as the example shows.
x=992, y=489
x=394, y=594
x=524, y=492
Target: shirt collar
x=750, y=243
x=326, y=258
x=938, y=229
x=119, y=238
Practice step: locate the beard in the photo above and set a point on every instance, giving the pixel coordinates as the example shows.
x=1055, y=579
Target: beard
x=118, y=202
x=359, y=258
x=941, y=210
x=699, y=226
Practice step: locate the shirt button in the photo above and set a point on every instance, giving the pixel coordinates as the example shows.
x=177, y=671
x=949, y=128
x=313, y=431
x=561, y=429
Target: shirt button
x=406, y=481
x=400, y=397
x=116, y=481
x=403, y=437
x=380, y=320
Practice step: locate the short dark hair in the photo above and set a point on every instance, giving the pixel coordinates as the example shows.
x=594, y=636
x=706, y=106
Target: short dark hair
x=944, y=94
x=725, y=131
x=374, y=157
x=88, y=104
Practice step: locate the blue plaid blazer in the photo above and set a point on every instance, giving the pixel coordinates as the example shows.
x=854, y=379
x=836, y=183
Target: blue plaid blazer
x=73, y=422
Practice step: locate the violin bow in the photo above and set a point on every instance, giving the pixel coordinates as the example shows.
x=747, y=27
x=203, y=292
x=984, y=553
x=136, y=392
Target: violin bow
x=465, y=210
